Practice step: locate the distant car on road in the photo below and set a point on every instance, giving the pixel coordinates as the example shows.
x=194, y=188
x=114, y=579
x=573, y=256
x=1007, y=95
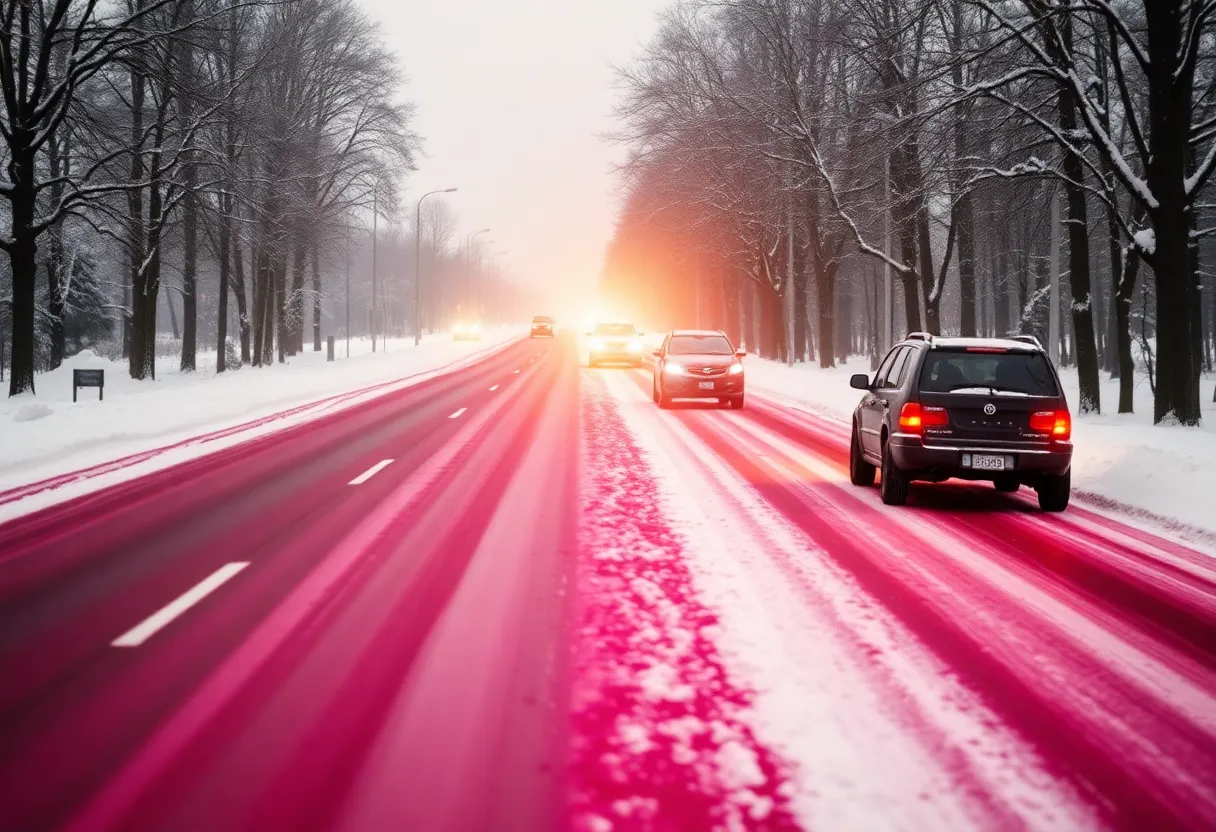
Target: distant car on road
x=615, y=343
x=467, y=330
x=698, y=364
x=974, y=409
x=542, y=327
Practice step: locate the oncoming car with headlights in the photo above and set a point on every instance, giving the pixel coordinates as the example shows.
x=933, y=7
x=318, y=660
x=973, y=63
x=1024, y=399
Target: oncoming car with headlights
x=698, y=364
x=467, y=331
x=614, y=343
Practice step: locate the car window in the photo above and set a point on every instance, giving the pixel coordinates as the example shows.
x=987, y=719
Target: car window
x=881, y=375
x=615, y=329
x=1011, y=373
x=900, y=371
x=700, y=345
x=891, y=377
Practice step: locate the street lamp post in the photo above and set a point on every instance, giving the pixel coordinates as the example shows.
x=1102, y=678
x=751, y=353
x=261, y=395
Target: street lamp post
x=418, y=263
x=468, y=270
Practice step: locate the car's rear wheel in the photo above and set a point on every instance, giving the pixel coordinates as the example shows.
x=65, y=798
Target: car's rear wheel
x=1054, y=491
x=736, y=402
x=1006, y=485
x=894, y=484
x=860, y=472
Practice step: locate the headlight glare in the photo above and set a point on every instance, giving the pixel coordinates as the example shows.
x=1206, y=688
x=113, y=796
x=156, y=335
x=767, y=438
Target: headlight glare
x=736, y=368
x=673, y=368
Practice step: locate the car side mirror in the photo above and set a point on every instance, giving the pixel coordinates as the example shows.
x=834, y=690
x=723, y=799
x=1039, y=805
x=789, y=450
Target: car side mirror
x=740, y=353
x=657, y=353
x=588, y=334
x=640, y=334
x=861, y=381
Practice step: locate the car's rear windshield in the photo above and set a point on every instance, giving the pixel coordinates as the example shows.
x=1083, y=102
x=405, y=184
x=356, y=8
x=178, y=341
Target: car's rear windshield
x=700, y=345
x=615, y=329
x=1012, y=373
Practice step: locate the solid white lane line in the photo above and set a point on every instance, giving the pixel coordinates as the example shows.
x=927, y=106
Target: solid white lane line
x=371, y=472
x=495, y=387
x=151, y=625
x=458, y=413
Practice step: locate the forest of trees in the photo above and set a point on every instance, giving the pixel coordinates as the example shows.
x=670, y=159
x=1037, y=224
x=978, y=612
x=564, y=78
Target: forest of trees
x=212, y=164
x=775, y=143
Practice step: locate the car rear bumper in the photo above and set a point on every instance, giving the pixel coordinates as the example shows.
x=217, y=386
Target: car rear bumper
x=913, y=455
x=689, y=388
x=542, y=333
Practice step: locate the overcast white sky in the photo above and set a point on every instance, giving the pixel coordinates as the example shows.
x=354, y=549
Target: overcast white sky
x=513, y=97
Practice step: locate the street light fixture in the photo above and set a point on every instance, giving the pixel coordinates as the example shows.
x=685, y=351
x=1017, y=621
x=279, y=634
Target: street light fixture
x=418, y=263
x=468, y=270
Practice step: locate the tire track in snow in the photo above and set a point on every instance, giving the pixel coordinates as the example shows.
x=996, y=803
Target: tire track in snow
x=658, y=739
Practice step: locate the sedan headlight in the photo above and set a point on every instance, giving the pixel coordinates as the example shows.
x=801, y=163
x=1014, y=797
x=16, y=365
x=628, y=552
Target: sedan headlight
x=597, y=344
x=736, y=368
x=635, y=346
x=673, y=368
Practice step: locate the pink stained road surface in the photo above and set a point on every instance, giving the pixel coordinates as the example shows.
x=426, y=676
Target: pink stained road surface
x=518, y=624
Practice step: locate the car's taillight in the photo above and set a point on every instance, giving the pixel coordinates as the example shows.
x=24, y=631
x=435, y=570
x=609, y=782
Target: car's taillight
x=913, y=418
x=1058, y=423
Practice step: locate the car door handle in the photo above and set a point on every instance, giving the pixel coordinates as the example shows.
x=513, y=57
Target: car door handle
x=885, y=404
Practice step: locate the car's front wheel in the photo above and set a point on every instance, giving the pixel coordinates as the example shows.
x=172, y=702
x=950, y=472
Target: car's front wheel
x=860, y=472
x=736, y=402
x=894, y=484
x=1054, y=491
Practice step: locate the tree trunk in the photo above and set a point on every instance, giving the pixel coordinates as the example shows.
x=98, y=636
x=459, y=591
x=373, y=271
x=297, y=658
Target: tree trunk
x=189, y=356
x=225, y=263
x=1124, y=291
x=295, y=300
x=22, y=254
x=1170, y=104
x=316, y=298
x=58, y=283
x=57, y=289
x=242, y=307
x=1078, y=258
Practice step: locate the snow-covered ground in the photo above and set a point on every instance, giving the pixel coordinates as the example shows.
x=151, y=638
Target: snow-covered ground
x=1123, y=460
x=46, y=435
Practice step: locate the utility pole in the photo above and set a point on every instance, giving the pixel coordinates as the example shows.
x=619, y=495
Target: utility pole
x=375, y=213
x=1053, y=314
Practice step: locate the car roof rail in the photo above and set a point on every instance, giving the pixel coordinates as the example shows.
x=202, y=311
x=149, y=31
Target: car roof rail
x=1027, y=339
x=927, y=337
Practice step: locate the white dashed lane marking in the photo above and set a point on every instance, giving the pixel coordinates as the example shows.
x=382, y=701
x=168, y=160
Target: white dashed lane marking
x=458, y=413
x=371, y=472
x=158, y=620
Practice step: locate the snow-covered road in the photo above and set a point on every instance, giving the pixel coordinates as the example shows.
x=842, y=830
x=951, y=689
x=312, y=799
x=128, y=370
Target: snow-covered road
x=964, y=662
x=517, y=595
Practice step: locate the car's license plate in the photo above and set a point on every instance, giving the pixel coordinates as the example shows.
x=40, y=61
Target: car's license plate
x=705, y=385
x=987, y=462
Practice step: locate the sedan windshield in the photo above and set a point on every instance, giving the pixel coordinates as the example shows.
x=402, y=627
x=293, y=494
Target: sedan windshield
x=700, y=345
x=620, y=330
x=1023, y=373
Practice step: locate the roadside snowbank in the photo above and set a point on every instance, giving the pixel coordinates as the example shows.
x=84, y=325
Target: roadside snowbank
x=46, y=435
x=1122, y=461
